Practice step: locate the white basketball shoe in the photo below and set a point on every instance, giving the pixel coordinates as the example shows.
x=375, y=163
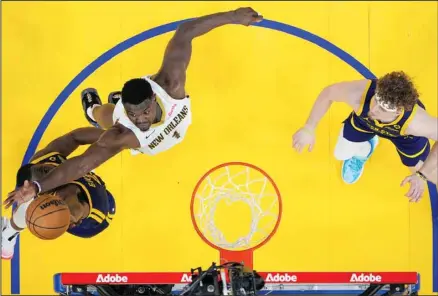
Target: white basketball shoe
x=9, y=238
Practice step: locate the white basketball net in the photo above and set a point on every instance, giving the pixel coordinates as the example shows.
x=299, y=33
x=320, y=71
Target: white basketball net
x=229, y=186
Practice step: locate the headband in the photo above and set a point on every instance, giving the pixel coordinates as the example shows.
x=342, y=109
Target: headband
x=387, y=107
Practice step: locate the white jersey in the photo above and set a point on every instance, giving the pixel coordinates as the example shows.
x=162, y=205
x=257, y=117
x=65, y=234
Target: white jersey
x=172, y=128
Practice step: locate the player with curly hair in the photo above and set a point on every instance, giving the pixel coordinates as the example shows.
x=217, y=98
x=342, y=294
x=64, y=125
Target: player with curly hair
x=387, y=107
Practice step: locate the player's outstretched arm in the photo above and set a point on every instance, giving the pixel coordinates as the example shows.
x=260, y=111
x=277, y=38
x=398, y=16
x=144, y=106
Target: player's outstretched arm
x=172, y=74
x=349, y=92
x=111, y=142
x=430, y=166
x=69, y=142
x=423, y=125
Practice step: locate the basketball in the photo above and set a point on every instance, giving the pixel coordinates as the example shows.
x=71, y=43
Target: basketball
x=48, y=217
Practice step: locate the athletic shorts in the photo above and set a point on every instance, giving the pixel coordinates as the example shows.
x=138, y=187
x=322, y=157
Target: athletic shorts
x=411, y=149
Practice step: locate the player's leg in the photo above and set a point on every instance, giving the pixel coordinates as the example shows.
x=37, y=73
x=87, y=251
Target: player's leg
x=354, y=147
x=98, y=114
x=104, y=114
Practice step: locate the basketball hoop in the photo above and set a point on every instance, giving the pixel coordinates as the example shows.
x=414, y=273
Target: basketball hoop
x=241, y=192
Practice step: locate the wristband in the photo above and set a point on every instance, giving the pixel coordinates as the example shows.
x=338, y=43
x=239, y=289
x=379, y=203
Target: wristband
x=38, y=186
x=418, y=173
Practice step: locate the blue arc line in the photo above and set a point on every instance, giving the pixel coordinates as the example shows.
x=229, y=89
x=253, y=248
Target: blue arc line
x=154, y=32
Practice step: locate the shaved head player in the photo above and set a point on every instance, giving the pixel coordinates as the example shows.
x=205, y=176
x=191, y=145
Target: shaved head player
x=388, y=107
x=154, y=111
x=90, y=204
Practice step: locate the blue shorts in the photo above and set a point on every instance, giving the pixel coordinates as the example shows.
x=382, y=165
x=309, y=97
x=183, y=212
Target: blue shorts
x=411, y=149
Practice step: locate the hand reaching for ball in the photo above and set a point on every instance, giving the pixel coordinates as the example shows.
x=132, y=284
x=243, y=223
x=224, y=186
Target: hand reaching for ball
x=21, y=194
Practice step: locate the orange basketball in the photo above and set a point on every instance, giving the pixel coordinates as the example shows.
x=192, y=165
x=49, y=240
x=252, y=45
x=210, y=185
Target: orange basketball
x=48, y=217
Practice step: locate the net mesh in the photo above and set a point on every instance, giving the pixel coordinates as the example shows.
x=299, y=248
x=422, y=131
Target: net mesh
x=236, y=207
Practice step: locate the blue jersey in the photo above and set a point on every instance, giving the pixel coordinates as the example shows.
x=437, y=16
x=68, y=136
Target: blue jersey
x=359, y=128
x=94, y=192
x=391, y=130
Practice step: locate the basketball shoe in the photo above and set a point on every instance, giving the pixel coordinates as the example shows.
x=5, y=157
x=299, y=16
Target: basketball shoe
x=352, y=169
x=9, y=238
x=90, y=98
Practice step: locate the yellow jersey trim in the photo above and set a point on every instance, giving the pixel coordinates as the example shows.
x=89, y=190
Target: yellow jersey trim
x=394, y=122
x=108, y=219
x=409, y=120
x=363, y=98
x=94, y=213
x=416, y=154
x=93, y=176
x=98, y=213
x=96, y=217
x=51, y=163
x=357, y=128
x=43, y=157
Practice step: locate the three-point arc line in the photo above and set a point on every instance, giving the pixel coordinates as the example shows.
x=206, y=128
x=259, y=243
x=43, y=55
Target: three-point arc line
x=154, y=32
